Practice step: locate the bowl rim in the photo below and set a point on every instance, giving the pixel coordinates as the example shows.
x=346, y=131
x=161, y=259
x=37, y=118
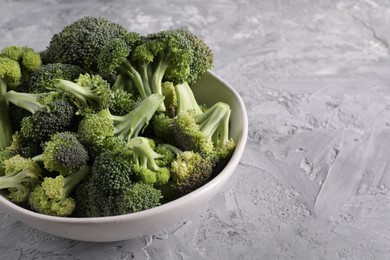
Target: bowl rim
x=224, y=174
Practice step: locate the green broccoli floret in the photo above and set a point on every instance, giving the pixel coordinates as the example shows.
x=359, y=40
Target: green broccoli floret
x=20, y=176
x=23, y=146
x=6, y=154
x=189, y=171
x=122, y=102
x=28, y=59
x=207, y=133
x=91, y=93
x=63, y=153
x=80, y=42
x=57, y=116
x=94, y=128
x=10, y=76
x=165, y=56
x=54, y=195
x=202, y=57
x=184, y=100
x=144, y=162
x=111, y=173
x=41, y=80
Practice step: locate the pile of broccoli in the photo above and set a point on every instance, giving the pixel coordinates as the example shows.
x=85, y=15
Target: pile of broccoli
x=104, y=121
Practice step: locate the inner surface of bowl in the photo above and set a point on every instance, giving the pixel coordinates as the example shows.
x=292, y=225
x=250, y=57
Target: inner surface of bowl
x=208, y=90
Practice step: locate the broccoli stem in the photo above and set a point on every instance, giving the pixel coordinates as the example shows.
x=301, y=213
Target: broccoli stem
x=158, y=75
x=214, y=123
x=14, y=181
x=186, y=99
x=143, y=153
x=27, y=101
x=5, y=122
x=130, y=71
x=130, y=125
x=71, y=181
x=82, y=94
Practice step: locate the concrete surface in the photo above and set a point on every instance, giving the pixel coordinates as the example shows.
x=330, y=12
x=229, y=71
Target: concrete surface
x=314, y=181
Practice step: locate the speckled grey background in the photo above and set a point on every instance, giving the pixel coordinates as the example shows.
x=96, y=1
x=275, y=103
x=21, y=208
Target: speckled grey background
x=314, y=181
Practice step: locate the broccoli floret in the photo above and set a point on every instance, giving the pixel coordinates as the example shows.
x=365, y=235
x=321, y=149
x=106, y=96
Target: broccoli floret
x=111, y=173
x=91, y=202
x=41, y=80
x=162, y=123
x=189, y=171
x=144, y=162
x=91, y=93
x=94, y=128
x=28, y=59
x=122, y=102
x=137, y=197
x=112, y=189
x=10, y=76
x=63, y=153
x=157, y=57
x=6, y=154
x=202, y=57
x=80, y=42
x=12, y=52
x=20, y=176
x=207, y=133
x=54, y=195
x=57, y=116
x=23, y=146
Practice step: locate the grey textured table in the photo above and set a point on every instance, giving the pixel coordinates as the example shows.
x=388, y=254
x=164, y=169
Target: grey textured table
x=314, y=181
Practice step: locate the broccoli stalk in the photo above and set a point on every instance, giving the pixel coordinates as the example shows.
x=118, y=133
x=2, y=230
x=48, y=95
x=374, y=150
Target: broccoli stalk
x=28, y=101
x=10, y=76
x=21, y=175
x=53, y=196
x=90, y=92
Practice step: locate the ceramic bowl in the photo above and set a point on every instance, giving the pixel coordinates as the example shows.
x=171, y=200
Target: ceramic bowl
x=209, y=89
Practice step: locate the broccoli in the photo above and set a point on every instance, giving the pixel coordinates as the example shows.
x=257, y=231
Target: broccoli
x=144, y=162
x=163, y=56
x=122, y=102
x=80, y=42
x=28, y=101
x=91, y=93
x=183, y=101
x=20, y=176
x=23, y=146
x=170, y=101
x=207, y=133
x=54, y=195
x=10, y=76
x=189, y=171
x=57, y=116
x=94, y=128
x=63, y=153
x=41, y=80
x=28, y=59
x=91, y=202
x=202, y=57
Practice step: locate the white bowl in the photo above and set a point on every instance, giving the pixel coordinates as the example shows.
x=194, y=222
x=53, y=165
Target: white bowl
x=209, y=89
